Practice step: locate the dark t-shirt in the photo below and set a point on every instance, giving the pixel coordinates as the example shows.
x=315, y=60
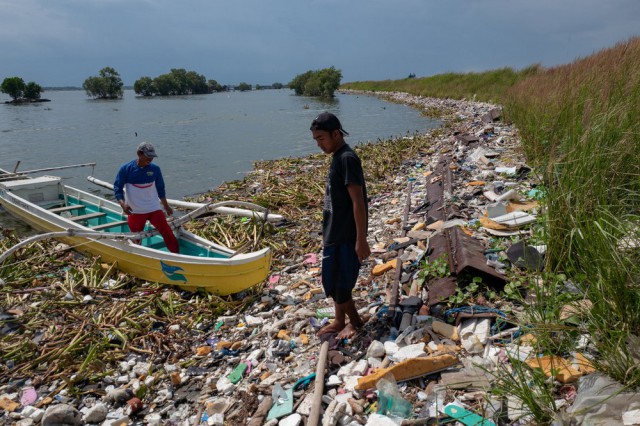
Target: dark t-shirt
x=338, y=223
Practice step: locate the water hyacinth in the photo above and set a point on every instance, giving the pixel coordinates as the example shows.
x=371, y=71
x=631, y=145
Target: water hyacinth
x=70, y=315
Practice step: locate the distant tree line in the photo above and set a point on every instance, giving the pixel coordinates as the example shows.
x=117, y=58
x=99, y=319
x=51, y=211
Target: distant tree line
x=108, y=85
x=321, y=83
x=176, y=82
x=273, y=86
x=179, y=81
x=18, y=90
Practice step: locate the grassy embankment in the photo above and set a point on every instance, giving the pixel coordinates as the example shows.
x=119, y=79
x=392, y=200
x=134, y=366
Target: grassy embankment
x=488, y=86
x=580, y=128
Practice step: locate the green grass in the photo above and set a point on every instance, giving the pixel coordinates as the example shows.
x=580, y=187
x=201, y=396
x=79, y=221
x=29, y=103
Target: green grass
x=580, y=126
x=488, y=86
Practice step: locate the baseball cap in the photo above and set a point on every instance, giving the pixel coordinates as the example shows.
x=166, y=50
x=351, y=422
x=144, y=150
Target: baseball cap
x=147, y=149
x=327, y=122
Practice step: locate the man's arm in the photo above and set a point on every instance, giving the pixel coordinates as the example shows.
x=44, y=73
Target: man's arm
x=162, y=192
x=360, y=216
x=118, y=189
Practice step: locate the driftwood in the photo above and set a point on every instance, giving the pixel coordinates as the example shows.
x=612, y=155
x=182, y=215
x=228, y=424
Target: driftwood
x=314, y=416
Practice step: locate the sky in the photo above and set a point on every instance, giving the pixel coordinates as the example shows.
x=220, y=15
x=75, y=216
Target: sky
x=63, y=42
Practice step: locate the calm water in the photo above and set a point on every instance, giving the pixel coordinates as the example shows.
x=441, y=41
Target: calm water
x=201, y=141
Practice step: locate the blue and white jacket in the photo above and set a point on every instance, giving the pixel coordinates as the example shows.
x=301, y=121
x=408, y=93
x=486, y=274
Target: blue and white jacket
x=140, y=187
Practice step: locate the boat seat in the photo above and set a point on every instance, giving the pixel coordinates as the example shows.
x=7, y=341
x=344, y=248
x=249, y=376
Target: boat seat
x=87, y=216
x=108, y=225
x=66, y=208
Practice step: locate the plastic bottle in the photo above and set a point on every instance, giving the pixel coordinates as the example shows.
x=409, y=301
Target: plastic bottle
x=393, y=405
x=393, y=333
x=390, y=402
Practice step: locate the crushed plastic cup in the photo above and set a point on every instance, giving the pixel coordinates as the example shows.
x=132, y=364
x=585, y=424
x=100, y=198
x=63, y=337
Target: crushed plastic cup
x=318, y=324
x=278, y=394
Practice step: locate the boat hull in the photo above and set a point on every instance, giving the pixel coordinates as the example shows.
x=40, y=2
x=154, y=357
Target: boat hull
x=221, y=275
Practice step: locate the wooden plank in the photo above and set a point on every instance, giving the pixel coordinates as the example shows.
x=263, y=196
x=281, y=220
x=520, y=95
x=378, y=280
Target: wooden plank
x=467, y=138
x=87, y=216
x=67, y=208
x=108, y=225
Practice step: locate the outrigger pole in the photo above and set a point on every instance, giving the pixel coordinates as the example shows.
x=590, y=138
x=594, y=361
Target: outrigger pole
x=16, y=173
x=234, y=211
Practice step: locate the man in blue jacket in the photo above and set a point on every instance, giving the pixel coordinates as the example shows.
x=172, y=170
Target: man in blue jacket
x=139, y=189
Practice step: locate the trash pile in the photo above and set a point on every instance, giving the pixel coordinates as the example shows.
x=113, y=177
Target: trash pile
x=456, y=218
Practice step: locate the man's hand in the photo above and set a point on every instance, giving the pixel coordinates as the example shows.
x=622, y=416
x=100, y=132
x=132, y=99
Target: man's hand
x=167, y=207
x=362, y=250
x=125, y=208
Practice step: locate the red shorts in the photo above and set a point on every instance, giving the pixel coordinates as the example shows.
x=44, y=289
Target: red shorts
x=137, y=221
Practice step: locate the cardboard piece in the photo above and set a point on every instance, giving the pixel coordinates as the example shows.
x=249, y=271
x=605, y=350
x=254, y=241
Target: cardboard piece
x=554, y=366
x=381, y=269
x=491, y=224
x=465, y=378
x=409, y=369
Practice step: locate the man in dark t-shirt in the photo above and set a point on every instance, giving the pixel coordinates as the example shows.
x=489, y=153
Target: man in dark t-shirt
x=344, y=224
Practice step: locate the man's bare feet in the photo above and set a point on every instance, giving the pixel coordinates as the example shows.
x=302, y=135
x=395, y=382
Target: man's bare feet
x=334, y=327
x=347, y=332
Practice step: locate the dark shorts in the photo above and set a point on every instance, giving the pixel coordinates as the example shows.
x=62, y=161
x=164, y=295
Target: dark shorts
x=340, y=267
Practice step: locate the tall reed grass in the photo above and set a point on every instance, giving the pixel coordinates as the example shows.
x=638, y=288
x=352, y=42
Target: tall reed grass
x=580, y=126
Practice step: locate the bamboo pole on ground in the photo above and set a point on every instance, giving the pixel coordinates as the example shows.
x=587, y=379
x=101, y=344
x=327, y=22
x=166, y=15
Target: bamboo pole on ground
x=314, y=415
x=395, y=290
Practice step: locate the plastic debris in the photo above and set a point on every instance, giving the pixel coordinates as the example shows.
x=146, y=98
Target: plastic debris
x=187, y=359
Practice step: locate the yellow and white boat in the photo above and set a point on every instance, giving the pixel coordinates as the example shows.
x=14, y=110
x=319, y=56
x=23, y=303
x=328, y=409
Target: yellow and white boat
x=93, y=224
